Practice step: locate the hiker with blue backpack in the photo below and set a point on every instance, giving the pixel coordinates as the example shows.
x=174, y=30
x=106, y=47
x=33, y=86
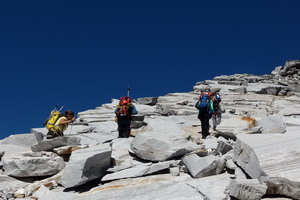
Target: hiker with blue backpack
x=205, y=107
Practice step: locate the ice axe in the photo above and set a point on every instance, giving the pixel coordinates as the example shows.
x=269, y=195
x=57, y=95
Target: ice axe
x=128, y=91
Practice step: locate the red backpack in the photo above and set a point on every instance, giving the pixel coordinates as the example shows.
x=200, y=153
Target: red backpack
x=124, y=105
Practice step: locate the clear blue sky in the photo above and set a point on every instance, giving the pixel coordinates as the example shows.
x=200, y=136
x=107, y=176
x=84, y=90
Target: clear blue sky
x=82, y=54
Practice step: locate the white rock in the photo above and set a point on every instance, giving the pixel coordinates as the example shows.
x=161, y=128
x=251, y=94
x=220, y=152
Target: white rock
x=157, y=146
x=86, y=165
x=158, y=187
x=32, y=166
x=139, y=170
x=54, y=143
x=272, y=124
x=266, y=156
x=203, y=166
x=249, y=189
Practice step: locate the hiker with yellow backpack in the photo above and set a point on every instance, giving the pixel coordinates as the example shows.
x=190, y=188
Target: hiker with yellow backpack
x=57, y=123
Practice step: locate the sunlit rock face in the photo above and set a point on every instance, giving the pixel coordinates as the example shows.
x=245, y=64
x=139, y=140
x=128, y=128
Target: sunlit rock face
x=254, y=151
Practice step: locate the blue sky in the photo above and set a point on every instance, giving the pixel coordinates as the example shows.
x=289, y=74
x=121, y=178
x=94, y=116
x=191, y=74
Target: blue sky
x=81, y=54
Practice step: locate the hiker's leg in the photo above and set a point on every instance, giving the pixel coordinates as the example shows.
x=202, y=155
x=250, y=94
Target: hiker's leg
x=120, y=129
x=214, y=121
x=219, y=117
x=205, y=127
x=50, y=134
x=127, y=130
x=202, y=120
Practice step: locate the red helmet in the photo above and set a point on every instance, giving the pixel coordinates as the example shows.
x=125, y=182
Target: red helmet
x=125, y=100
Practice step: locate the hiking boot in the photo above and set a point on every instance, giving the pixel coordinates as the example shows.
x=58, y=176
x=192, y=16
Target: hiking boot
x=204, y=136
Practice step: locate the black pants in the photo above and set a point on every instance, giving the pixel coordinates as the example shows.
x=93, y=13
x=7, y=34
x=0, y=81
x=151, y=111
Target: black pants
x=204, y=118
x=124, y=128
x=51, y=134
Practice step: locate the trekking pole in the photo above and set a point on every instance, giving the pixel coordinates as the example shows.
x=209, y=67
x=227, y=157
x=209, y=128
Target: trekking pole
x=55, y=108
x=61, y=108
x=128, y=91
x=71, y=128
x=71, y=124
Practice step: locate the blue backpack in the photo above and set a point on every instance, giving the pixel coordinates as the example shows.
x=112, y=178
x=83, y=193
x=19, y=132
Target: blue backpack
x=203, y=103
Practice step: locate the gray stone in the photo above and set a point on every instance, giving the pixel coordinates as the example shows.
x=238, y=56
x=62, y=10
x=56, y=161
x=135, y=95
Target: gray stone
x=224, y=147
x=32, y=166
x=1, y=154
x=242, y=90
x=86, y=165
x=265, y=156
x=158, y=187
x=230, y=164
x=210, y=143
x=25, y=140
x=175, y=171
x=43, y=193
x=139, y=170
x=151, y=101
x=272, y=124
x=12, y=184
x=39, y=133
x=120, y=153
x=249, y=189
x=277, y=185
x=157, y=146
x=203, y=166
x=212, y=187
x=49, y=145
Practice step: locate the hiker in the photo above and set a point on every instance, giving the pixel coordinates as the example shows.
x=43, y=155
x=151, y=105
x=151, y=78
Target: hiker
x=216, y=115
x=205, y=107
x=124, y=111
x=61, y=125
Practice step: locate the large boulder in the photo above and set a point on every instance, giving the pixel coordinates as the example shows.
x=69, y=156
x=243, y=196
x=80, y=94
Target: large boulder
x=33, y=165
x=272, y=124
x=269, y=157
x=86, y=165
x=204, y=166
x=49, y=145
x=249, y=189
x=157, y=146
x=20, y=140
x=121, y=153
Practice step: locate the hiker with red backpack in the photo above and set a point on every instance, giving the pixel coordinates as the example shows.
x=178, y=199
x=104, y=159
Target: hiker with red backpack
x=124, y=111
x=205, y=107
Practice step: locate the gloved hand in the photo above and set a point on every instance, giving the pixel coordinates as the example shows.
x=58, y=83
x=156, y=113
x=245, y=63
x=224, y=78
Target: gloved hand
x=214, y=113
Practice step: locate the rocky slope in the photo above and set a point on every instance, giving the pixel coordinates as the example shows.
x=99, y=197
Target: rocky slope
x=253, y=154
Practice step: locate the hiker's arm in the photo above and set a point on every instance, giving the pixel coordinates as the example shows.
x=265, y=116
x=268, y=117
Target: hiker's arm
x=64, y=121
x=117, y=109
x=133, y=111
x=211, y=106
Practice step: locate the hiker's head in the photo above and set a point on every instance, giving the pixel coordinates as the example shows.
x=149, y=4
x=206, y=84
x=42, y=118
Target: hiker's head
x=69, y=114
x=125, y=100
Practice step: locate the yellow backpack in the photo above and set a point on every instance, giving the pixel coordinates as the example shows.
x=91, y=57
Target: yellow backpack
x=54, y=116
